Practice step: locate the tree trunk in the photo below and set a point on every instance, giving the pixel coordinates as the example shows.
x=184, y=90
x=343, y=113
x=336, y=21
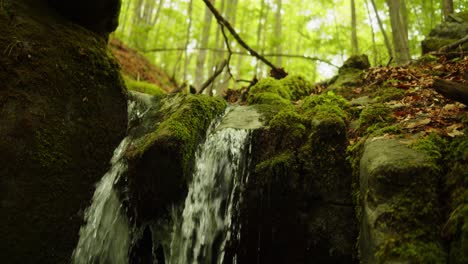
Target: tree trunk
x=374, y=45
x=354, y=40
x=187, y=41
x=453, y=90
x=399, y=31
x=260, y=29
x=382, y=29
x=278, y=32
x=205, y=37
x=447, y=6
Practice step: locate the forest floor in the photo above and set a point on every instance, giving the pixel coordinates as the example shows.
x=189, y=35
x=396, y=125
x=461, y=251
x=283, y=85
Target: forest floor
x=409, y=90
x=135, y=66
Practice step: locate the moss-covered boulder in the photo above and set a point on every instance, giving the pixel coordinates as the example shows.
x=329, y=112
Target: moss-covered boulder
x=400, y=213
x=161, y=156
x=63, y=110
x=448, y=32
x=350, y=74
x=297, y=205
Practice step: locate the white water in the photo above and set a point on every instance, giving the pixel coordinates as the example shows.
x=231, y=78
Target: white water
x=201, y=235
x=105, y=238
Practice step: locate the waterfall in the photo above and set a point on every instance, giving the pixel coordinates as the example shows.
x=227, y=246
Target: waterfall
x=204, y=229
x=105, y=238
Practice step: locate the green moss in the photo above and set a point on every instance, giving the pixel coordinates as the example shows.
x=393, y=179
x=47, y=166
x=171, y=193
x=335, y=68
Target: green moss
x=269, y=85
x=143, y=87
x=329, y=98
x=270, y=99
x=374, y=117
x=348, y=77
x=386, y=94
x=298, y=85
x=183, y=129
x=277, y=166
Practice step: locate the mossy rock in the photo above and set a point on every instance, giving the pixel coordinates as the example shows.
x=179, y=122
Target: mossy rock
x=161, y=156
x=400, y=205
x=143, y=87
x=298, y=85
x=63, y=111
x=359, y=62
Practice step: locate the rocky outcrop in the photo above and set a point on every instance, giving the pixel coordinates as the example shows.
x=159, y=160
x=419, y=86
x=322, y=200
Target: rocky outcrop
x=350, y=74
x=400, y=212
x=448, y=32
x=161, y=156
x=62, y=113
x=297, y=203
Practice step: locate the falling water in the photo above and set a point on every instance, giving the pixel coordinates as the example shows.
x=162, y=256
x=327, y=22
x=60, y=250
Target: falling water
x=105, y=237
x=202, y=233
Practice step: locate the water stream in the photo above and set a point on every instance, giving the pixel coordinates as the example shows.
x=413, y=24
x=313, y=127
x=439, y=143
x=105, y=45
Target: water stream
x=201, y=232
x=206, y=221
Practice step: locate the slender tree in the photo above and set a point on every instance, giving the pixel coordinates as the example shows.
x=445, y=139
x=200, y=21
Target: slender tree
x=354, y=39
x=447, y=6
x=382, y=29
x=399, y=31
x=204, y=39
x=278, y=32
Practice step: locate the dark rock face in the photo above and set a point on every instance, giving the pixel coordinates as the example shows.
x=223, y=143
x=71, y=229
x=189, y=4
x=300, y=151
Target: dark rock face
x=297, y=204
x=62, y=113
x=455, y=28
x=100, y=16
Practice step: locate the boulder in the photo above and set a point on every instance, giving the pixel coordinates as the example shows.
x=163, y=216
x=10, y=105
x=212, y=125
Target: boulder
x=448, y=32
x=350, y=74
x=399, y=211
x=297, y=205
x=63, y=110
x=161, y=155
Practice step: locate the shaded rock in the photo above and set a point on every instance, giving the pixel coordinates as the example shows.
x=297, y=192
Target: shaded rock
x=400, y=212
x=100, y=16
x=63, y=110
x=455, y=28
x=297, y=204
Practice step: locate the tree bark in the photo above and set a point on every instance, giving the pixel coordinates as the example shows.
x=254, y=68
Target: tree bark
x=278, y=31
x=382, y=29
x=447, y=6
x=374, y=45
x=399, y=32
x=187, y=41
x=354, y=39
x=453, y=90
x=205, y=37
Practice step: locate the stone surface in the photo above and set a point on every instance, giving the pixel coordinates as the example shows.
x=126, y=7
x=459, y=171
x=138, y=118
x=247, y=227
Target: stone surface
x=398, y=188
x=63, y=110
x=448, y=32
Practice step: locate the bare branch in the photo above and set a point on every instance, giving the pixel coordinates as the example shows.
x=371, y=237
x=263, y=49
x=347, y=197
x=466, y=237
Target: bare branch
x=276, y=72
x=241, y=53
x=454, y=44
x=218, y=71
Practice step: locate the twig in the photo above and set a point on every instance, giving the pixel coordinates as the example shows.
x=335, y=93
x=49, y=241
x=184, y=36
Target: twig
x=276, y=72
x=240, y=53
x=213, y=77
x=226, y=41
x=454, y=44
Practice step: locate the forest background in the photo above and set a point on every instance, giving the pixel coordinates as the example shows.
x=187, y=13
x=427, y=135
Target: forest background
x=312, y=38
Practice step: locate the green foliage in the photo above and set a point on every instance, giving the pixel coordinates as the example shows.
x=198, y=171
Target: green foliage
x=325, y=105
x=374, y=117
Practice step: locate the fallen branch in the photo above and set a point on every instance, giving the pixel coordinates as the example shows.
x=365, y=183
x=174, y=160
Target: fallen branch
x=218, y=71
x=454, y=44
x=240, y=53
x=276, y=72
x=453, y=90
